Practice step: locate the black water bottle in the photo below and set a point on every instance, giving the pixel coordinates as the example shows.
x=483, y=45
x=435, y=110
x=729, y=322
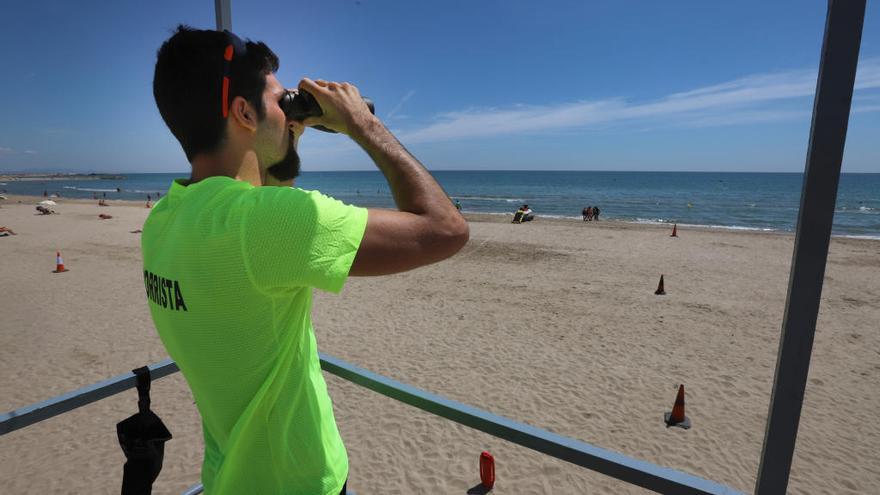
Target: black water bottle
x=301, y=105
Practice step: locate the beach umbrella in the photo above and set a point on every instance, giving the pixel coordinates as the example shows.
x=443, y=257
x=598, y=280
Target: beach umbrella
x=142, y=437
x=48, y=202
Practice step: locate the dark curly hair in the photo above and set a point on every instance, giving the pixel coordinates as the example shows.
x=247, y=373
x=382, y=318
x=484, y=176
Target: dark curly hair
x=187, y=85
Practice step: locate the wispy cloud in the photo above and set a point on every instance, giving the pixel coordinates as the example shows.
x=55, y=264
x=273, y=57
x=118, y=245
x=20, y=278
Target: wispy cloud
x=751, y=99
x=393, y=113
x=13, y=151
x=866, y=108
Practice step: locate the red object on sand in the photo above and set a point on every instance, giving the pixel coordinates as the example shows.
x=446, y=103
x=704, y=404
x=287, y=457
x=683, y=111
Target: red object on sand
x=674, y=230
x=59, y=263
x=487, y=470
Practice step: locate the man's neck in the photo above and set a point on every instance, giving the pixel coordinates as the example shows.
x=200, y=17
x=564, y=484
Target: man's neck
x=227, y=163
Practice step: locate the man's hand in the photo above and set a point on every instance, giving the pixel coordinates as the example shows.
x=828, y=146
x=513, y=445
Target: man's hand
x=344, y=108
x=427, y=228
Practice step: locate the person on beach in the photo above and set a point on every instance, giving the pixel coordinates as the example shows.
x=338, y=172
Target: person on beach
x=596, y=213
x=231, y=256
x=528, y=215
x=587, y=213
x=518, y=216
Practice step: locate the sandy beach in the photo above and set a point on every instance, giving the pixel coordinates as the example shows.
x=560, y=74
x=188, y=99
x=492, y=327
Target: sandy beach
x=553, y=323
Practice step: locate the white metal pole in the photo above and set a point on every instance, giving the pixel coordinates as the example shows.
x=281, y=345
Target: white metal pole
x=223, y=11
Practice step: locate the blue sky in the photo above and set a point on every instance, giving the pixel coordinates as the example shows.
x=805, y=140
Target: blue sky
x=614, y=85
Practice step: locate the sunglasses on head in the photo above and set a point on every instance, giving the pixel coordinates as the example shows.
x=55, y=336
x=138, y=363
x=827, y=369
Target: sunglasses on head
x=235, y=47
x=296, y=105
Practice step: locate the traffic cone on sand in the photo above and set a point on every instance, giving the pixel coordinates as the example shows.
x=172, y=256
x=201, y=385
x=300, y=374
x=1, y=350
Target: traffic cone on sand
x=674, y=230
x=660, y=291
x=59, y=263
x=677, y=417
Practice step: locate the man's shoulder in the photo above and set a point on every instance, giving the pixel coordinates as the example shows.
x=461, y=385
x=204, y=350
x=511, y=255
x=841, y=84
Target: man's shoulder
x=289, y=198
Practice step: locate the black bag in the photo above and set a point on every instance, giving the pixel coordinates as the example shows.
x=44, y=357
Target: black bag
x=142, y=437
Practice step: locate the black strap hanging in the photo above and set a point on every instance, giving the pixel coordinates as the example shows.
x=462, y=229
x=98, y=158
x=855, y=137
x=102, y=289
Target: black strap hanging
x=142, y=437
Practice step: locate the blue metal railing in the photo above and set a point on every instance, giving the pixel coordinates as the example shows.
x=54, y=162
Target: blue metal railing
x=634, y=471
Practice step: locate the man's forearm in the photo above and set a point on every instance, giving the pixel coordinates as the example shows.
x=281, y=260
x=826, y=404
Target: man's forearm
x=413, y=187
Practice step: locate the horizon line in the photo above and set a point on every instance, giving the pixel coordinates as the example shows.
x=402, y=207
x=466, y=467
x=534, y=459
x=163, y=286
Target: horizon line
x=68, y=172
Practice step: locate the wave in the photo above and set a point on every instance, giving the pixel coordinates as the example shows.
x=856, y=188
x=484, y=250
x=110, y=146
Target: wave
x=89, y=189
x=649, y=220
x=495, y=213
x=868, y=237
x=654, y=221
x=730, y=227
x=860, y=209
x=663, y=221
x=489, y=198
x=567, y=217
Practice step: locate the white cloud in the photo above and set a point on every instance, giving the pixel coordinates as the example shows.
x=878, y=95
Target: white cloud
x=751, y=99
x=12, y=151
x=409, y=94
x=866, y=108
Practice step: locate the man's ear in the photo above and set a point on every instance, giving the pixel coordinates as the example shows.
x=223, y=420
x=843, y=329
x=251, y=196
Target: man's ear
x=243, y=113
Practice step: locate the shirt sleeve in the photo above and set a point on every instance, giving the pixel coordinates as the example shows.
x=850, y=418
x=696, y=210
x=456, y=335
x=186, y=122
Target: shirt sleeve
x=295, y=238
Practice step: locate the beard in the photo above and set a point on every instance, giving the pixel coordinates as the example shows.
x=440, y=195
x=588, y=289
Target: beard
x=288, y=167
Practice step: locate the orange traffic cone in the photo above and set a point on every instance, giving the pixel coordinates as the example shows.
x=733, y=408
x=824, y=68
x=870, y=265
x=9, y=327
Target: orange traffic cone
x=674, y=230
x=677, y=417
x=59, y=263
x=660, y=291
x=487, y=470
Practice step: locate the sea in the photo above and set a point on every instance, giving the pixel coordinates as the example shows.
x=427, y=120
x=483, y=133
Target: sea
x=740, y=201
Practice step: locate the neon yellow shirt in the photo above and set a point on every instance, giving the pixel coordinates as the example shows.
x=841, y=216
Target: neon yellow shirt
x=228, y=271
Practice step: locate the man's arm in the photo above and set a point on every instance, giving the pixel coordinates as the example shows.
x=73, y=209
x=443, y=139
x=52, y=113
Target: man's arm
x=427, y=228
